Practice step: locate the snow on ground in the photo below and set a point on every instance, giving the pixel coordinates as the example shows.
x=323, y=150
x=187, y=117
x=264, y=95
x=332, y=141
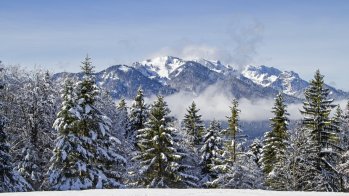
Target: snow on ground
x=171, y=192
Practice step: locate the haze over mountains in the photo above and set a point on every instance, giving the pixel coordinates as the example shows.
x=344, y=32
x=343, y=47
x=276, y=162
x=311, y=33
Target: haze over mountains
x=168, y=75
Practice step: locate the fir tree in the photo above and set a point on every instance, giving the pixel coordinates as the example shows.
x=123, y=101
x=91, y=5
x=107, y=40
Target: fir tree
x=343, y=168
x=160, y=161
x=256, y=151
x=85, y=155
x=211, y=151
x=343, y=118
x=322, y=150
x=338, y=126
x=275, y=144
x=123, y=118
x=234, y=134
x=339, y=122
x=243, y=174
x=138, y=116
x=193, y=125
x=104, y=102
x=68, y=165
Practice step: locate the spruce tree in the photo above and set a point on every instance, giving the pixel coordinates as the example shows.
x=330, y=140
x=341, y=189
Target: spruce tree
x=343, y=168
x=276, y=143
x=138, y=116
x=193, y=125
x=85, y=155
x=68, y=165
x=234, y=134
x=339, y=122
x=243, y=174
x=341, y=118
x=211, y=151
x=322, y=150
x=338, y=126
x=160, y=161
x=346, y=126
x=256, y=151
x=123, y=124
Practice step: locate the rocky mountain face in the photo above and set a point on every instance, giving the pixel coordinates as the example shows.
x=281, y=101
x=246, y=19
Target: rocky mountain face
x=168, y=75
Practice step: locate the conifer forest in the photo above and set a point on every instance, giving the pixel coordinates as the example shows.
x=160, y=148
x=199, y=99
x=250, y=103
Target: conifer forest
x=72, y=134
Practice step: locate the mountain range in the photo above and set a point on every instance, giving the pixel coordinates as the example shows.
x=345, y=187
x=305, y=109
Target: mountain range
x=168, y=75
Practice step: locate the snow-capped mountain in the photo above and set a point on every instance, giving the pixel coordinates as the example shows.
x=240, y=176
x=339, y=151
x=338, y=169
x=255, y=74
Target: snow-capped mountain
x=123, y=81
x=288, y=82
x=159, y=67
x=261, y=75
x=167, y=75
x=214, y=65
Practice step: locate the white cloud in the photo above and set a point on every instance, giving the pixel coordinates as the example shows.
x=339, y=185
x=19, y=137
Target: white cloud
x=193, y=51
x=246, y=35
x=239, y=48
x=214, y=104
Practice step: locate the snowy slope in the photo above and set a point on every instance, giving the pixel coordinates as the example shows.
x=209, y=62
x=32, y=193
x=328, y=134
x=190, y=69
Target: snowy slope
x=173, y=192
x=287, y=82
x=262, y=75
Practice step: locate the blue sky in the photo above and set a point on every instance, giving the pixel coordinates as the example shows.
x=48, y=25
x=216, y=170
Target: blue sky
x=290, y=35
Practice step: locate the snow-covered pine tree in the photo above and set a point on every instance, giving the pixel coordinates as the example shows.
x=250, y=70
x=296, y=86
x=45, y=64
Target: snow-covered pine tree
x=298, y=157
x=344, y=160
x=338, y=125
x=10, y=179
x=339, y=121
x=211, y=152
x=95, y=126
x=138, y=116
x=85, y=156
x=239, y=169
x=256, y=151
x=190, y=156
x=124, y=125
x=275, y=146
x=106, y=104
x=160, y=161
x=235, y=138
x=68, y=165
x=193, y=125
x=343, y=168
x=243, y=174
x=341, y=118
x=322, y=150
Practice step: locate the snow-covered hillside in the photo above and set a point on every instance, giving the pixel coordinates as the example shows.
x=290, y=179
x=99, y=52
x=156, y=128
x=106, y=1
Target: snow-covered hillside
x=173, y=192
